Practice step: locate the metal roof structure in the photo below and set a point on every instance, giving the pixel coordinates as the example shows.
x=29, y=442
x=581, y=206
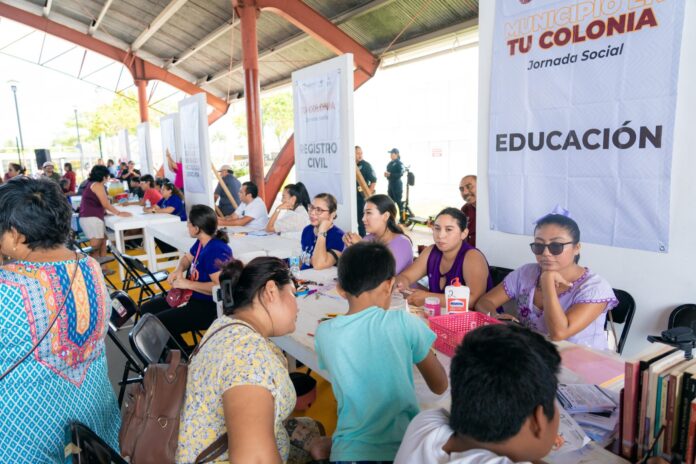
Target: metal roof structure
x=199, y=40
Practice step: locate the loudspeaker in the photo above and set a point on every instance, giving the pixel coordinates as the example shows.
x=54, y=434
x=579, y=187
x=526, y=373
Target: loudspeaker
x=42, y=155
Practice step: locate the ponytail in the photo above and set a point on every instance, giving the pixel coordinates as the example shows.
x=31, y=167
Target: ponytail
x=222, y=235
x=241, y=284
x=203, y=217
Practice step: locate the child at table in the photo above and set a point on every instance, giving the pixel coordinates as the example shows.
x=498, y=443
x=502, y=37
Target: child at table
x=369, y=354
x=503, y=410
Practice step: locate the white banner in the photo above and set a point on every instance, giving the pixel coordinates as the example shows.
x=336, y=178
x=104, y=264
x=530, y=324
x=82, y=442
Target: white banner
x=195, y=151
x=124, y=153
x=170, y=130
x=144, y=148
x=582, y=115
x=324, y=155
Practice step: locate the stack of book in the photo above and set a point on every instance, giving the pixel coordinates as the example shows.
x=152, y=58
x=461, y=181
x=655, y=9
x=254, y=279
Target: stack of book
x=658, y=414
x=595, y=409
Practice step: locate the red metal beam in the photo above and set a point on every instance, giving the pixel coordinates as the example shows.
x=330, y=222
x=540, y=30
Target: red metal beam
x=142, y=100
x=323, y=30
x=252, y=92
x=283, y=163
x=139, y=68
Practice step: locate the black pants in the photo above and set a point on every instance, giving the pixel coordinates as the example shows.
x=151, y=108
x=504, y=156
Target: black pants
x=395, y=192
x=194, y=315
x=361, y=206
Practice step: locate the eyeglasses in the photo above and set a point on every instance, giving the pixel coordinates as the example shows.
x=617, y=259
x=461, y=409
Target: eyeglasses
x=314, y=209
x=555, y=248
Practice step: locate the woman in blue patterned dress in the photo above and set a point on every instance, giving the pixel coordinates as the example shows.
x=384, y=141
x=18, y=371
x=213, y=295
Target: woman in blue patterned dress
x=65, y=379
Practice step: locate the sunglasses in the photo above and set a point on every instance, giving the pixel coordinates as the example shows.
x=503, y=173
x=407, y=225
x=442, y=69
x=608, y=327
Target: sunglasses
x=555, y=248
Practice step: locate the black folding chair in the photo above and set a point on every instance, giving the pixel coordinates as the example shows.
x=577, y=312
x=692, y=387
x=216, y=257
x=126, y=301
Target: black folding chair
x=123, y=308
x=683, y=316
x=498, y=274
x=138, y=276
x=75, y=244
x=151, y=341
x=622, y=314
x=83, y=446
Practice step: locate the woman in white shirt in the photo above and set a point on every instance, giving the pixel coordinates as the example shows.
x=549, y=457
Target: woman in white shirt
x=291, y=215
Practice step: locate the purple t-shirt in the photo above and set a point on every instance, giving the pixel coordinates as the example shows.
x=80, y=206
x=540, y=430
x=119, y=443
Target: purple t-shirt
x=401, y=248
x=520, y=286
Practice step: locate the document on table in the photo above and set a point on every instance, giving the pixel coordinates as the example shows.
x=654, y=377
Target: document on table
x=584, y=398
x=573, y=435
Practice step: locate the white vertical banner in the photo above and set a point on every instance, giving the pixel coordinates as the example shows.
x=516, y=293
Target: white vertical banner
x=170, y=130
x=582, y=106
x=195, y=151
x=144, y=148
x=124, y=151
x=324, y=154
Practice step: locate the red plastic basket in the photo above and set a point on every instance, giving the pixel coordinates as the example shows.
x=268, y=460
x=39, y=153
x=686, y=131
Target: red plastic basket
x=450, y=329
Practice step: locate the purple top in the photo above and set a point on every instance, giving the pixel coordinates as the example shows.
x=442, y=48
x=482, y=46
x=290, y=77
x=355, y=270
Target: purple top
x=401, y=248
x=520, y=286
x=455, y=271
x=90, y=206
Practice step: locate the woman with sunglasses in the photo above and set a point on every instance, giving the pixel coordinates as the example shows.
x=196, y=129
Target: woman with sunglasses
x=555, y=296
x=322, y=241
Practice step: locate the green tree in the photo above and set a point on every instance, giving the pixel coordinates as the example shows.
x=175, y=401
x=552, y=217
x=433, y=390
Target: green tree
x=108, y=119
x=276, y=114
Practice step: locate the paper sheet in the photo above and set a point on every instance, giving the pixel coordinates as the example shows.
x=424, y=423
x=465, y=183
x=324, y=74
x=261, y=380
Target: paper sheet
x=575, y=438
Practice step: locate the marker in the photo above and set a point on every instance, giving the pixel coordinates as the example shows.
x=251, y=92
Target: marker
x=310, y=334
x=311, y=292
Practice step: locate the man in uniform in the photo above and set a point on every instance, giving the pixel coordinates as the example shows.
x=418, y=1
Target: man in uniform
x=371, y=181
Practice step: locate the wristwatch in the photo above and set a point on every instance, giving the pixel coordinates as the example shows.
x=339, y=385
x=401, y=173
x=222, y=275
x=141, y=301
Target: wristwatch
x=323, y=234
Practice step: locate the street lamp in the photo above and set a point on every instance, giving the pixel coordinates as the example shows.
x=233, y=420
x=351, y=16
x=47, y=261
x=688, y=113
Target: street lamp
x=79, y=144
x=13, y=86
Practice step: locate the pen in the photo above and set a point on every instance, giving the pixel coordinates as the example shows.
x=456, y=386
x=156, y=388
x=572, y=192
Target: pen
x=311, y=292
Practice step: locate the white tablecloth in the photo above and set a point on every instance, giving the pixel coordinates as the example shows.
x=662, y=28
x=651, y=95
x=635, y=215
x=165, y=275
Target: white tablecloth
x=246, y=243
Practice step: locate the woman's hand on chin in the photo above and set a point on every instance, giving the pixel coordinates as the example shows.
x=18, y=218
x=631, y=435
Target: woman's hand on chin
x=553, y=279
x=324, y=226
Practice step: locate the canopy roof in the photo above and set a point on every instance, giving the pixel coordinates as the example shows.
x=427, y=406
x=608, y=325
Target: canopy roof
x=199, y=40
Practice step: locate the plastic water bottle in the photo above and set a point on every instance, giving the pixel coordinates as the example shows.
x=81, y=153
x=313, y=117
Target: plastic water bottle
x=295, y=266
x=148, y=204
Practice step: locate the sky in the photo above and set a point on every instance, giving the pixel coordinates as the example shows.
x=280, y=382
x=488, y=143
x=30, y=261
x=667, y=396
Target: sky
x=46, y=99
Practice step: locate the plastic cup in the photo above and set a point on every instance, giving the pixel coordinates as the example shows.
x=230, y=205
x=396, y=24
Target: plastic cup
x=432, y=306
